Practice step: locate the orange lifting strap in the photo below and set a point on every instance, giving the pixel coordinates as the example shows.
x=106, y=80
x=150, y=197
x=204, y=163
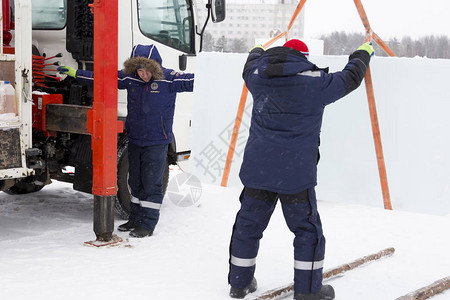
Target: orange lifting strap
x=373, y=108
x=370, y=96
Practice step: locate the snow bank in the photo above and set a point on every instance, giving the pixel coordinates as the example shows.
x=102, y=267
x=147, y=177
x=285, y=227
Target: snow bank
x=412, y=98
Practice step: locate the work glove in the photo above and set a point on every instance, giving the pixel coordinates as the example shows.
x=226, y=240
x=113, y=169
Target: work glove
x=67, y=71
x=367, y=47
x=257, y=46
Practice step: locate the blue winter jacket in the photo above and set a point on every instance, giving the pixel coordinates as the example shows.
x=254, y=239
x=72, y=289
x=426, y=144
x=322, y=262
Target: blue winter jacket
x=290, y=94
x=151, y=105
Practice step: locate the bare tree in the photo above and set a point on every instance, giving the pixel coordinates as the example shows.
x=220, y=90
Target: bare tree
x=239, y=45
x=342, y=43
x=221, y=44
x=208, y=41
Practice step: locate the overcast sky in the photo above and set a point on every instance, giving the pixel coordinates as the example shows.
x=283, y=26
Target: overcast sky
x=388, y=18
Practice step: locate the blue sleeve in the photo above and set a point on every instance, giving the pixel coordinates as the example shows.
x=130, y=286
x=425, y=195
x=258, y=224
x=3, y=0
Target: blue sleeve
x=252, y=58
x=339, y=84
x=87, y=77
x=180, y=82
x=121, y=80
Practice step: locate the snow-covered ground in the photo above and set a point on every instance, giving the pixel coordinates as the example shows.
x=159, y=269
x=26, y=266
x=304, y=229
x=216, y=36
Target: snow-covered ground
x=43, y=256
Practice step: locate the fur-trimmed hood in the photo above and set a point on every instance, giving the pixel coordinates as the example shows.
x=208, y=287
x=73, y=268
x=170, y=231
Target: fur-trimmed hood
x=146, y=57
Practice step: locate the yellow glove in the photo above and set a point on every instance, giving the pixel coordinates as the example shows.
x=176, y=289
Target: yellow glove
x=367, y=47
x=68, y=71
x=257, y=46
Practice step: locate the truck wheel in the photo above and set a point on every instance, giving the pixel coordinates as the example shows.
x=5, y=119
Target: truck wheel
x=122, y=203
x=25, y=186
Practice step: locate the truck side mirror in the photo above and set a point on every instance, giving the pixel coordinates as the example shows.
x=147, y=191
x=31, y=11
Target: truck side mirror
x=182, y=59
x=217, y=10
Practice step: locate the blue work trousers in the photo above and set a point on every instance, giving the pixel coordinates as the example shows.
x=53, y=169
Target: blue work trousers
x=302, y=218
x=146, y=172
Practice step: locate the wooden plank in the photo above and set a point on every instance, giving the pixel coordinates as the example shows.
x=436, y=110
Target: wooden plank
x=428, y=291
x=285, y=291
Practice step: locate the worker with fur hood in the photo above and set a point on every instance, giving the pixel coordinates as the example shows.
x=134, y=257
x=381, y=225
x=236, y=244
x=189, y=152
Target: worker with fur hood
x=152, y=91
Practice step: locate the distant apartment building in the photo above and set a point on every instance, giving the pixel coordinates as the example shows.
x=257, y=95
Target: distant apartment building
x=256, y=20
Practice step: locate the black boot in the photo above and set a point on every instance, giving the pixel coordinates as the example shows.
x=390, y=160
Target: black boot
x=126, y=226
x=140, y=232
x=325, y=293
x=241, y=293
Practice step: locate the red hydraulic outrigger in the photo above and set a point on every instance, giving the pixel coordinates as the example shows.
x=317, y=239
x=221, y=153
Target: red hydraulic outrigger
x=102, y=119
x=7, y=26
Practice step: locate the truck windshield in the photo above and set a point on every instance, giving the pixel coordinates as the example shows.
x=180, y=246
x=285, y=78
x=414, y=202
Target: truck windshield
x=49, y=14
x=167, y=21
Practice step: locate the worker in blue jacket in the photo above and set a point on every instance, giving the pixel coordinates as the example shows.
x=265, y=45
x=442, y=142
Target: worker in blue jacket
x=280, y=160
x=152, y=91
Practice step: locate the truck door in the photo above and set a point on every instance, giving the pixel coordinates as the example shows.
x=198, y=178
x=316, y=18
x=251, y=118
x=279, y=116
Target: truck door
x=125, y=44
